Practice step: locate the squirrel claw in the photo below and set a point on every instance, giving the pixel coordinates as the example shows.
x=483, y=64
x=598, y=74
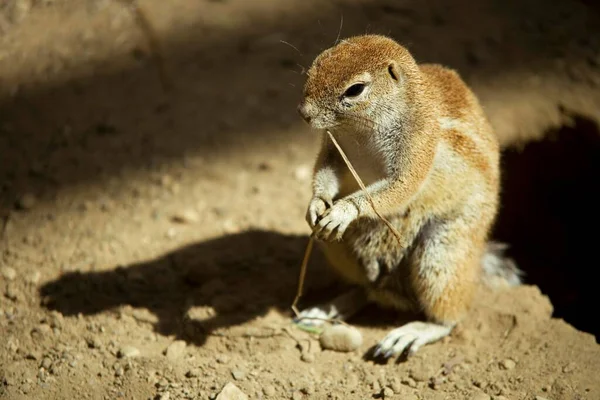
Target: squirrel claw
x=409, y=338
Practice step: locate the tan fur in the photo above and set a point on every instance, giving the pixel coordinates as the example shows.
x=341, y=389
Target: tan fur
x=420, y=140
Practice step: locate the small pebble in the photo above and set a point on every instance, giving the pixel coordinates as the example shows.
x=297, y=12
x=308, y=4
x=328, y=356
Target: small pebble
x=26, y=202
x=231, y=392
x=481, y=396
x=186, y=217
x=42, y=330
x=570, y=367
x=46, y=363
x=171, y=233
x=422, y=373
x=297, y=395
x=93, y=342
x=410, y=382
x=341, y=338
x=192, y=373
x=119, y=371
x=540, y=398
x=164, y=396
x=34, y=277
x=479, y=384
x=396, y=385
x=238, y=374
x=12, y=293
x=163, y=383
x=222, y=359
x=175, y=350
x=269, y=390
x=128, y=351
x=307, y=357
x=388, y=393
x=42, y=375
x=231, y=227
x=376, y=387
x=9, y=273
x=508, y=364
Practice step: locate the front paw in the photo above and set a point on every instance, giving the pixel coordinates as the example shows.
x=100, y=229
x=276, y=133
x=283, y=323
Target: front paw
x=316, y=210
x=336, y=220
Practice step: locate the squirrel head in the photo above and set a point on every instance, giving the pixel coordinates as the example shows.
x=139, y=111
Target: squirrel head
x=363, y=83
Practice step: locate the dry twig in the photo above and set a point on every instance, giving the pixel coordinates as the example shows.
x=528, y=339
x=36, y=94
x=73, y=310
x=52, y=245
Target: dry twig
x=309, y=247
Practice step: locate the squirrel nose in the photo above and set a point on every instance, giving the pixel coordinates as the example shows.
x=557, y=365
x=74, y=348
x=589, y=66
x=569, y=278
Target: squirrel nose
x=303, y=111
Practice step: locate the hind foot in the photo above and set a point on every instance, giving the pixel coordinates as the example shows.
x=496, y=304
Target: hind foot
x=341, y=308
x=409, y=338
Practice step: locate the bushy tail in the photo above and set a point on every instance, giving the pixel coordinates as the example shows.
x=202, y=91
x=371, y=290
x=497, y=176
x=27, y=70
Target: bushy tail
x=499, y=270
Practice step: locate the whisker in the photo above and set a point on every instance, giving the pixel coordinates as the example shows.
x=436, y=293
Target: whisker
x=340, y=30
x=292, y=46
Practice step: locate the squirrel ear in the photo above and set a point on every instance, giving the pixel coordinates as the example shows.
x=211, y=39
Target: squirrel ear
x=394, y=71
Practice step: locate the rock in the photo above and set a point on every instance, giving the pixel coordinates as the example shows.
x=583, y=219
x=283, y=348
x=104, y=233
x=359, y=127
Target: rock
x=175, y=350
x=238, y=374
x=396, y=386
x=34, y=278
x=162, y=383
x=26, y=202
x=222, y=359
x=388, y=393
x=41, y=330
x=231, y=392
x=307, y=357
x=410, y=382
x=128, y=351
x=171, y=233
x=231, y=227
x=12, y=293
x=93, y=342
x=540, y=398
x=376, y=386
x=164, y=396
x=192, y=373
x=508, y=364
x=9, y=273
x=341, y=338
x=46, y=363
x=481, y=396
x=422, y=373
x=186, y=217
x=297, y=395
x=570, y=367
x=269, y=391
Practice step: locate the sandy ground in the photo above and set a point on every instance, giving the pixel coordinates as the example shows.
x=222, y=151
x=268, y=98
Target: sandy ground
x=153, y=222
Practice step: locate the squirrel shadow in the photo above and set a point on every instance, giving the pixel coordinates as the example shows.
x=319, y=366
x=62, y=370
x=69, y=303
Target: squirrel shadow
x=240, y=276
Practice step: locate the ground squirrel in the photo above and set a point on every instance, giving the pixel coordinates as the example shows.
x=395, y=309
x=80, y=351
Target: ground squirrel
x=419, y=139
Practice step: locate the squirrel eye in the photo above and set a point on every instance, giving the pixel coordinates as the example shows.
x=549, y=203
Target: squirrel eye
x=354, y=90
